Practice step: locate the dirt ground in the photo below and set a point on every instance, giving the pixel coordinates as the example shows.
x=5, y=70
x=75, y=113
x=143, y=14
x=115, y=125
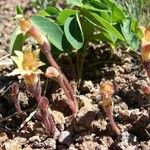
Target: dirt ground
x=91, y=129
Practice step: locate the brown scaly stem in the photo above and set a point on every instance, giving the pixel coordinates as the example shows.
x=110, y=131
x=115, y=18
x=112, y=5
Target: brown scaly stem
x=14, y=96
x=45, y=116
x=109, y=113
x=69, y=94
x=145, y=49
x=53, y=73
x=68, y=90
x=106, y=91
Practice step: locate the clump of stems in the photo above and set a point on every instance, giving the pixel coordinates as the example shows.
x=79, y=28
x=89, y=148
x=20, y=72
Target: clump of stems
x=28, y=66
x=26, y=26
x=43, y=104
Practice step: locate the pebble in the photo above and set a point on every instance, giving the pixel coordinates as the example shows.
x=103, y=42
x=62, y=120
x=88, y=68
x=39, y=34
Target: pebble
x=65, y=137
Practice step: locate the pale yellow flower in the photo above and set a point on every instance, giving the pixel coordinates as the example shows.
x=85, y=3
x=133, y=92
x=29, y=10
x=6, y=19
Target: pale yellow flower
x=146, y=36
x=145, y=44
x=28, y=64
x=26, y=26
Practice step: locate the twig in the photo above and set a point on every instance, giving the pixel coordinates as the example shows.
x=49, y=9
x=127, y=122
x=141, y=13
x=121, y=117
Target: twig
x=27, y=119
x=4, y=57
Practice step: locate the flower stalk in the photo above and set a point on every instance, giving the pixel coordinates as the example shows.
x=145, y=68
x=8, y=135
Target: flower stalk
x=52, y=72
x=106, y=91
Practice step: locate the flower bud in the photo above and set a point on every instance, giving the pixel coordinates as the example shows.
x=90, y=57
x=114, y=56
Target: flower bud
x=43, y=105
x=107, y=89
x=24, y=24
x=52, y=72
x=146, y=36
x=145, y=52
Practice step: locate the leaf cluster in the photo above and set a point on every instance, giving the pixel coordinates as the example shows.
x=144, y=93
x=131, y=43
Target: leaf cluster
x=83, y=22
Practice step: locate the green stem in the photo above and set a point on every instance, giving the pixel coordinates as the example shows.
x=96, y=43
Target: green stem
x=73, y=68
x=80, y=60
x=80, y=71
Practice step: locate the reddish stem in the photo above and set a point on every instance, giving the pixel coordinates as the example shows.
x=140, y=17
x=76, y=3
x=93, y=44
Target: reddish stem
x=14, y=95
x=109, y=113
x=62, y=80
x=45, y=117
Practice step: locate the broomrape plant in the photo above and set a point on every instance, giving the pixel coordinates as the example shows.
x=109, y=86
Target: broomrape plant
x=31, y=30
x=28, y=67
x=106, y=91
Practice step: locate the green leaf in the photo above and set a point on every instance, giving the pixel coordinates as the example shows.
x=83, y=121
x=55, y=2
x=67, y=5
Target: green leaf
x=105, y=37
x=105, y=15
x=117, y=13
x=90, y=7
x=88, y=29
x=131, y=38
x=102, y=24
x=75, y=2
x=95, y=5
x=64, y=14
x=43, y=13
x=50, y=11
x=73, y=32
x=16, y=41
x=49, y=29
x=19, y=10
x=66, y=45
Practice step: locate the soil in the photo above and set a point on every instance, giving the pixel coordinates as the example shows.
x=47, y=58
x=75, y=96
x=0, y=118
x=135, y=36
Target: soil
x=90, y=130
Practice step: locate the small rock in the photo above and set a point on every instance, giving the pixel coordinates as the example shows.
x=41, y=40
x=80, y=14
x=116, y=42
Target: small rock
x=100, y=124
x=87, y=86
x=143, y=146
x=105, y=142
x=15, y=144
x=27, y=148
x=34, y=138
x=65, y=137
x=126, y=141
x=84, y=101
x=50, y=143
x=89, y=145
x=3, y=137
x=58, y=117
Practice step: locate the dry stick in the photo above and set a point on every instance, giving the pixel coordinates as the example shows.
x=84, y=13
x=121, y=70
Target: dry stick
x=68, y=90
